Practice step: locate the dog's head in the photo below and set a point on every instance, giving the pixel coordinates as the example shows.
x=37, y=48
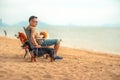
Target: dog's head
x=22, y=37
x=45, y=34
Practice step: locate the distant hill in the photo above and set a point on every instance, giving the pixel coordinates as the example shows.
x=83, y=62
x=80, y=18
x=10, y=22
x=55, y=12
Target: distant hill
x=40, y=24
x=25, y=23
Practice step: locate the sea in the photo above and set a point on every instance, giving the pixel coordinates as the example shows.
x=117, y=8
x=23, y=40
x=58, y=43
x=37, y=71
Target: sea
x=102, y=39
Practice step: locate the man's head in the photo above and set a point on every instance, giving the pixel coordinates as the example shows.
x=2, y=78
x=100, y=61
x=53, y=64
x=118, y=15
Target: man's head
x=33, y=21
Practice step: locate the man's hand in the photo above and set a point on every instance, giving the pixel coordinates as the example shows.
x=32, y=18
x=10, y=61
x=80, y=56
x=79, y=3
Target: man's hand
x=38, y=46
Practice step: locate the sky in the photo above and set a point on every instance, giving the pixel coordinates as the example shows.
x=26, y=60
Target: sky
x=62, y=12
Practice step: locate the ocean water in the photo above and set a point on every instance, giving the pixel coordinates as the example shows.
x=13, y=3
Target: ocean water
x=103, y=39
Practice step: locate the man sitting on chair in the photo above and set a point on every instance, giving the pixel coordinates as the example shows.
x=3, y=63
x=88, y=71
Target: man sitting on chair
x=34, y=35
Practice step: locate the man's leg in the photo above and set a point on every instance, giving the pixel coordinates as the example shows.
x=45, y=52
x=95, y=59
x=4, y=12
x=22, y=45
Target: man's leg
x=56, y=47
x=55, y=42
x=52, y=42
x=33, y=57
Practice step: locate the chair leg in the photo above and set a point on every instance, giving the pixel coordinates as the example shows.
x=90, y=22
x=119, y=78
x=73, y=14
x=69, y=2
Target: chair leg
x=52, y=56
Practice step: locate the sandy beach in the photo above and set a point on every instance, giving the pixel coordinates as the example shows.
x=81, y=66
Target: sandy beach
x=76, y=65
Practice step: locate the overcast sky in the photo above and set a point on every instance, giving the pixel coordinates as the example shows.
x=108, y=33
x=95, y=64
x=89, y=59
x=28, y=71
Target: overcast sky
x=78, y=12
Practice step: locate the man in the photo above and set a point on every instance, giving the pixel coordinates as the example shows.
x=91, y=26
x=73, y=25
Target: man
x=34, y=35
x=5, y=33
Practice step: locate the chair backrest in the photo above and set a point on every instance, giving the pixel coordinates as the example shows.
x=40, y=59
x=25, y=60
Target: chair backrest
x=28, y=33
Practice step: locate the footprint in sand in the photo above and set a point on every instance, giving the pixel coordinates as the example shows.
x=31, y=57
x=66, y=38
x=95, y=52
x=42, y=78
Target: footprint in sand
x=9, y=70
x=47, y=76
x=2, y=73
x=1, y=66
x=25, y=77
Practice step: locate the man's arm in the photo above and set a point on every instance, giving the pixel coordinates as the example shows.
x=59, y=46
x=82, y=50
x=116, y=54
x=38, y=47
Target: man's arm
x=33, y=38
x=34, y=41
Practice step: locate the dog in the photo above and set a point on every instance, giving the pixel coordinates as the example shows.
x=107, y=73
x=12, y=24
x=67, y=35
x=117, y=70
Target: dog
x=41, y=51
x=23, y=39
x=45, y=34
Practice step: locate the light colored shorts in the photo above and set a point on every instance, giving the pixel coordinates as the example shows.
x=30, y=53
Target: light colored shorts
x=49, y=42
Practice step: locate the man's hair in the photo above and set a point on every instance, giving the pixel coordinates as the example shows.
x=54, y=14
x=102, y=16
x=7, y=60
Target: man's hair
x=32, y=17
